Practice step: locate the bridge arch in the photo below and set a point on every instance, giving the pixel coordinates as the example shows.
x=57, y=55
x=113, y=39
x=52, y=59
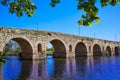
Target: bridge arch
x=116, y=51
x=108, y=50
x=97, y=50
x=59, y=48
x=80, y=49
x=25, y=45
x=70, y=48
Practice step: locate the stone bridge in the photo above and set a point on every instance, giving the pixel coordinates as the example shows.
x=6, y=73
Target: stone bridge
x=34, y=43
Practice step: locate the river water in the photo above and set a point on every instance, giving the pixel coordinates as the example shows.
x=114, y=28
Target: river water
x=97, y=68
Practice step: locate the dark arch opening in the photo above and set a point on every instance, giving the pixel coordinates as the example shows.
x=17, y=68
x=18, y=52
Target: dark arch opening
x=59, y=48
x=103, y=48
x=80, y=50
x=70, y=48
x=26, y=49
x=96, y=50
x=39, y=48
x=89, y=48
x=116, y=51
x=108, y=50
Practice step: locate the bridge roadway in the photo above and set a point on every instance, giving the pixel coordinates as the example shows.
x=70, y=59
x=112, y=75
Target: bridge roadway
x=34, y=43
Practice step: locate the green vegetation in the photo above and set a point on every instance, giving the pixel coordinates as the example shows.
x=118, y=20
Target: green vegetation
x=2, y=57
x=12, y=48
x=49, y=51
x=19, y=7
x=90, y=8
x=105, y=53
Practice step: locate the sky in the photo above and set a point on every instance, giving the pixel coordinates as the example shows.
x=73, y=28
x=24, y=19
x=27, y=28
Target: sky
x=63, y=18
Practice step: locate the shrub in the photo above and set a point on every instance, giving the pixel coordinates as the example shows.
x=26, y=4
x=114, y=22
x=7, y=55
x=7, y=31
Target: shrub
x=2, y=57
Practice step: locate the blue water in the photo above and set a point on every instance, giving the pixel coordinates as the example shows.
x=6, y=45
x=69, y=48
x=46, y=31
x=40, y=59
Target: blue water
x=100, y=68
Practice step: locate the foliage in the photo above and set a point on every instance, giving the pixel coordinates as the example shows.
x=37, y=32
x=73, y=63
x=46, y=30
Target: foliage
x=90, y=9
x=8, y=48
x=20, y=7
x=88, y=6
x=54, y=2
x=18, y=50
x=12, y=47
x=2, y=57
x=50, y=50
x=105, y=53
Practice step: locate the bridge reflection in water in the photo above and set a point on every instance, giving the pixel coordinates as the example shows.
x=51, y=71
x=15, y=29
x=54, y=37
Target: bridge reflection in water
x=88, y=68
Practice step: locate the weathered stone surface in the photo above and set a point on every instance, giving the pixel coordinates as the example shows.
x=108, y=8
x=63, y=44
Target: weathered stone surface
x=65, y=45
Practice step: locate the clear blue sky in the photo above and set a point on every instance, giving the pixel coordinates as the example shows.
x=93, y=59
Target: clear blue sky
x=63, y=18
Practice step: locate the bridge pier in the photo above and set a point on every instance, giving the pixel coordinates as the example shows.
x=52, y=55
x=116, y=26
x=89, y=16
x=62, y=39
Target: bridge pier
x=37, y=56
x=70, y=55
x=112, y=53
x=89, y=53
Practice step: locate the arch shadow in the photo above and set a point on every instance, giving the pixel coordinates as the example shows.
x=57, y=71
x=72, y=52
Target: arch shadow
x=59, y=48
x=80, y=50
x=96, y=50
x=108, y=50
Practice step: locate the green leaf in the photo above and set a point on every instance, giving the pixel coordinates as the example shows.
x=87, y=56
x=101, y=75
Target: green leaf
x=4, y=2
x=52, y=4
x=80, y=22
x=98, y=21
x=90, y=24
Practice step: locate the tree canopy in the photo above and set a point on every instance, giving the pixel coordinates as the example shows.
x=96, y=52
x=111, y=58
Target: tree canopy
x=20, y=7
